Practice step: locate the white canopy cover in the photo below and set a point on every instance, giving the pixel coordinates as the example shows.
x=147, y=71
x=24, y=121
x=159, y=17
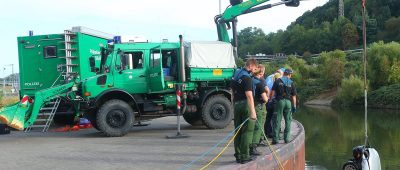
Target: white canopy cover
x=209, y=54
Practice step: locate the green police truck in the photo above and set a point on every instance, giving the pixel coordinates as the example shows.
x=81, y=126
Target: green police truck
x=115, y=84
x=119, y=84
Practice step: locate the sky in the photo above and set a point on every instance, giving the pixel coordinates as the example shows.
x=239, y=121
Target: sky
x=152, y=19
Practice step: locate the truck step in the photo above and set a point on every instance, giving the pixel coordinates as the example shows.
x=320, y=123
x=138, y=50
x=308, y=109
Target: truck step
x=41, y=120
x=33, y=126
x=72, y=64
x=44, y=114
x=46, y=108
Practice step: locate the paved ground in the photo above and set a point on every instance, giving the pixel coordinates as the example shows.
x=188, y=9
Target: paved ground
x=143, y=148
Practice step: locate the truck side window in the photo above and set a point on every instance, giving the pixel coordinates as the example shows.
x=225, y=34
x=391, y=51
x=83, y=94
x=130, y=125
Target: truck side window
x=169, y=62
x=50, y=51
x=134, y=60
x=155, y=58
x=137, y=60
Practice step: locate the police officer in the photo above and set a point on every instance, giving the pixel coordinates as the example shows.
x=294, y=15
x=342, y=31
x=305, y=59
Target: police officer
x=285, y=94
x=271, y=102
x=242, y=87
x=260, y=98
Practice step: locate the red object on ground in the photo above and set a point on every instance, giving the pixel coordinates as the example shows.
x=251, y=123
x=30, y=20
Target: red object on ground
x=75, y=128
x=62, y=129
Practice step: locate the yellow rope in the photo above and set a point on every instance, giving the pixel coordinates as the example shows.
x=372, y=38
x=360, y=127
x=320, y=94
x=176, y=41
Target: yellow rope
x=223, y=150
x=270, y=147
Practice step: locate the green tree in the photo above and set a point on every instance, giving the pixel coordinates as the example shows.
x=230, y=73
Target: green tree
x=252, y=40
x=349, y=36
x=332, y=67
x=392, y=30
x=351, y=90
x=381, y=58
x=394, y=73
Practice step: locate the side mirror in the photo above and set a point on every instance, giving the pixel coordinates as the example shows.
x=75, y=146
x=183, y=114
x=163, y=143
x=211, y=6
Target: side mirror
x=235, y=2
x=292, y=3
x=92, y=64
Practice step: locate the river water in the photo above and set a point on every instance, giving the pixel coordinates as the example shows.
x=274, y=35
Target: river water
x=332, y=133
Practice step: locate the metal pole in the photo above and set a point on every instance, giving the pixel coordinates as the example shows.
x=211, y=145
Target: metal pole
x=12, y=77
x=178, y=90
x=4, y=82
x=365, y=75
x=220, y=7
x=182, y=58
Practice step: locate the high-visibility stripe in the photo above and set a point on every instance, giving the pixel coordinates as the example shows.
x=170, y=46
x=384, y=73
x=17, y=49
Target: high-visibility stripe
x=178, y=99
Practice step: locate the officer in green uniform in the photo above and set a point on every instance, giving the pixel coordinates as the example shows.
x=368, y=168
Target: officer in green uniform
x=242, y=88
x=285, y=94
x=260, y=98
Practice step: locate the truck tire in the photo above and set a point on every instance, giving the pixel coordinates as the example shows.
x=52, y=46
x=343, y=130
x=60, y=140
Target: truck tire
x=217, y=112
x=115, y=118
x=193, y=118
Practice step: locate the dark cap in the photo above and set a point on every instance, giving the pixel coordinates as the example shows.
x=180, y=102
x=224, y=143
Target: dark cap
x=288, y=71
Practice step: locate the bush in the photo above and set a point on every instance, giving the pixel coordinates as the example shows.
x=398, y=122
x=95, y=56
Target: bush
x=385, y=96
x=240, y=62
x=351, y=90
x=332, y=67
x=394, y=74
x=382, y=59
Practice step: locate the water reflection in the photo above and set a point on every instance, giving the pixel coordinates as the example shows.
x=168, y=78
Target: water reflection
x=332, y=133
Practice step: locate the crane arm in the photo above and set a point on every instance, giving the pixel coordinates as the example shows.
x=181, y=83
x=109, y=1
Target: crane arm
x=238, y=8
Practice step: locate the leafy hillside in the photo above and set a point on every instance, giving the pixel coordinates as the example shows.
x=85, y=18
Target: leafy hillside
x=322, y=30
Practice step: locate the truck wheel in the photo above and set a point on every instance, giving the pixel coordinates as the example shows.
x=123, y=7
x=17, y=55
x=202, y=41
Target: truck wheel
x=193, y=118
x=115, y=118
x=217, y=112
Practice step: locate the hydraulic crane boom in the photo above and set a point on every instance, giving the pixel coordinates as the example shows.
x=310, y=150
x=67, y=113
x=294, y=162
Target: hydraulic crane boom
x=237, y=8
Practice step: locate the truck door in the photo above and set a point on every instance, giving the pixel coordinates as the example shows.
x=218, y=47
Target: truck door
x=130, y=73
x=156, y=78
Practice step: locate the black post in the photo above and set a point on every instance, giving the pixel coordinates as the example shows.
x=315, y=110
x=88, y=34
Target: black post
x=235, y=38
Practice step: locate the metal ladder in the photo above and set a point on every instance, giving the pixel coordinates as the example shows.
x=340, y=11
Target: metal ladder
x=69, y=40
x=45, y=116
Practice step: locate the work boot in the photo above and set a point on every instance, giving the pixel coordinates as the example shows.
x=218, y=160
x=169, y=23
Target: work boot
x=252, y=158
x=253, y=150
x=262, y=143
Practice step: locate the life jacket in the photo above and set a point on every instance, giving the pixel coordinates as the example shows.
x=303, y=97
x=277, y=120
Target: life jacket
x=237, y=77
x=285, y=85
x=256, y=81
x=239, y=73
